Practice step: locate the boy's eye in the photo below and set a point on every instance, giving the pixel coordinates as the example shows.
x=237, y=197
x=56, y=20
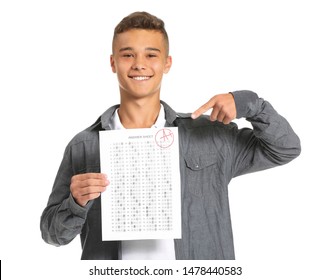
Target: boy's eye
x=127, y=55
x=152, y=55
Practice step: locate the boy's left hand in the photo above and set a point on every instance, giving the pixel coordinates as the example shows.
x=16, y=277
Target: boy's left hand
x=223, y=108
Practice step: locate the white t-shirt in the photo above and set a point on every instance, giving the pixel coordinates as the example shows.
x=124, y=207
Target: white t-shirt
x=156, y=249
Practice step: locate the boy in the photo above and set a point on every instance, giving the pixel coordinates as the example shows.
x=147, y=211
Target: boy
x=212, y=151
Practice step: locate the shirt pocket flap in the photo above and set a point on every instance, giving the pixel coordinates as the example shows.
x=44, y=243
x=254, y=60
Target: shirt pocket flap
x=196, y=163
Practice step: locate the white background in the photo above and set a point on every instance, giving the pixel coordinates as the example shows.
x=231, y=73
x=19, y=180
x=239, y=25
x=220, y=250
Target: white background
x=55, y=80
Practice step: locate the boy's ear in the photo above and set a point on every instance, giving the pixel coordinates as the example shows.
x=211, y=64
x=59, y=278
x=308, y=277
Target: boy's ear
x=112, y=63
x=168, y=64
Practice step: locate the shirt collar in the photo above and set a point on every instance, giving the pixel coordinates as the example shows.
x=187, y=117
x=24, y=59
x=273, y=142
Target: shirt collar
x=115, y=122
x=108, y=115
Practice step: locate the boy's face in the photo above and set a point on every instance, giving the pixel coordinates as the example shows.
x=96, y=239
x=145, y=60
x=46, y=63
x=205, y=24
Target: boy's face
x=140, y=59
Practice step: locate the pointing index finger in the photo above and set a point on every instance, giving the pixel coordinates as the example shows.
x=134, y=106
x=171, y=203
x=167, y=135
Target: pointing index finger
x=207, y=106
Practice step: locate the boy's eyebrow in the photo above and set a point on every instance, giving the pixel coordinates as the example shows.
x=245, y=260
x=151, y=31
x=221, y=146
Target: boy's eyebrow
x=153, y=49
x=126, y=49
x=131, y=49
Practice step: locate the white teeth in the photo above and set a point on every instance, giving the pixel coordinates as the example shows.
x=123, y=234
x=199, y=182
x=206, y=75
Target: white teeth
x=141, y=78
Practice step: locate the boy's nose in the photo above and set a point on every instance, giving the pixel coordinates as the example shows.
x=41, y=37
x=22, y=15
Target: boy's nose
x=138, y=64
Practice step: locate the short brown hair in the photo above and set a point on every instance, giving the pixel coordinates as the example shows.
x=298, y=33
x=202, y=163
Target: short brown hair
x=141, y=20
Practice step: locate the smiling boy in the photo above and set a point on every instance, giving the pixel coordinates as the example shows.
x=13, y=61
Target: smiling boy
x=212, y=152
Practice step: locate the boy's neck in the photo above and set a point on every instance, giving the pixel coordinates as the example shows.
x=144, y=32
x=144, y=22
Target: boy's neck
x=139, y=113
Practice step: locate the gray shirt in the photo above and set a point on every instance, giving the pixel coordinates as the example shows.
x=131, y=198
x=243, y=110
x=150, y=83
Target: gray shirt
x=211, y=154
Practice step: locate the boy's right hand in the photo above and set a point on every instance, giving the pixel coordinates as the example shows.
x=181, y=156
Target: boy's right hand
x=88, y=186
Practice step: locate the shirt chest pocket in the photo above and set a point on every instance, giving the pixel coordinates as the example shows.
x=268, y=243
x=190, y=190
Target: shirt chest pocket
x=200, y=173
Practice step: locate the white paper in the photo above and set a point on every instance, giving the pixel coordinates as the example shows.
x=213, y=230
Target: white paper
x=143, y=199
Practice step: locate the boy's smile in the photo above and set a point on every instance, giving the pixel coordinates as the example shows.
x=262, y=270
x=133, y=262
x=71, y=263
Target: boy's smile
x=140, y=78
x=139, y=59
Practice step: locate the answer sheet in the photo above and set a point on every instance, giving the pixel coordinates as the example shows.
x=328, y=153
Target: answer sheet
x=143, y=199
